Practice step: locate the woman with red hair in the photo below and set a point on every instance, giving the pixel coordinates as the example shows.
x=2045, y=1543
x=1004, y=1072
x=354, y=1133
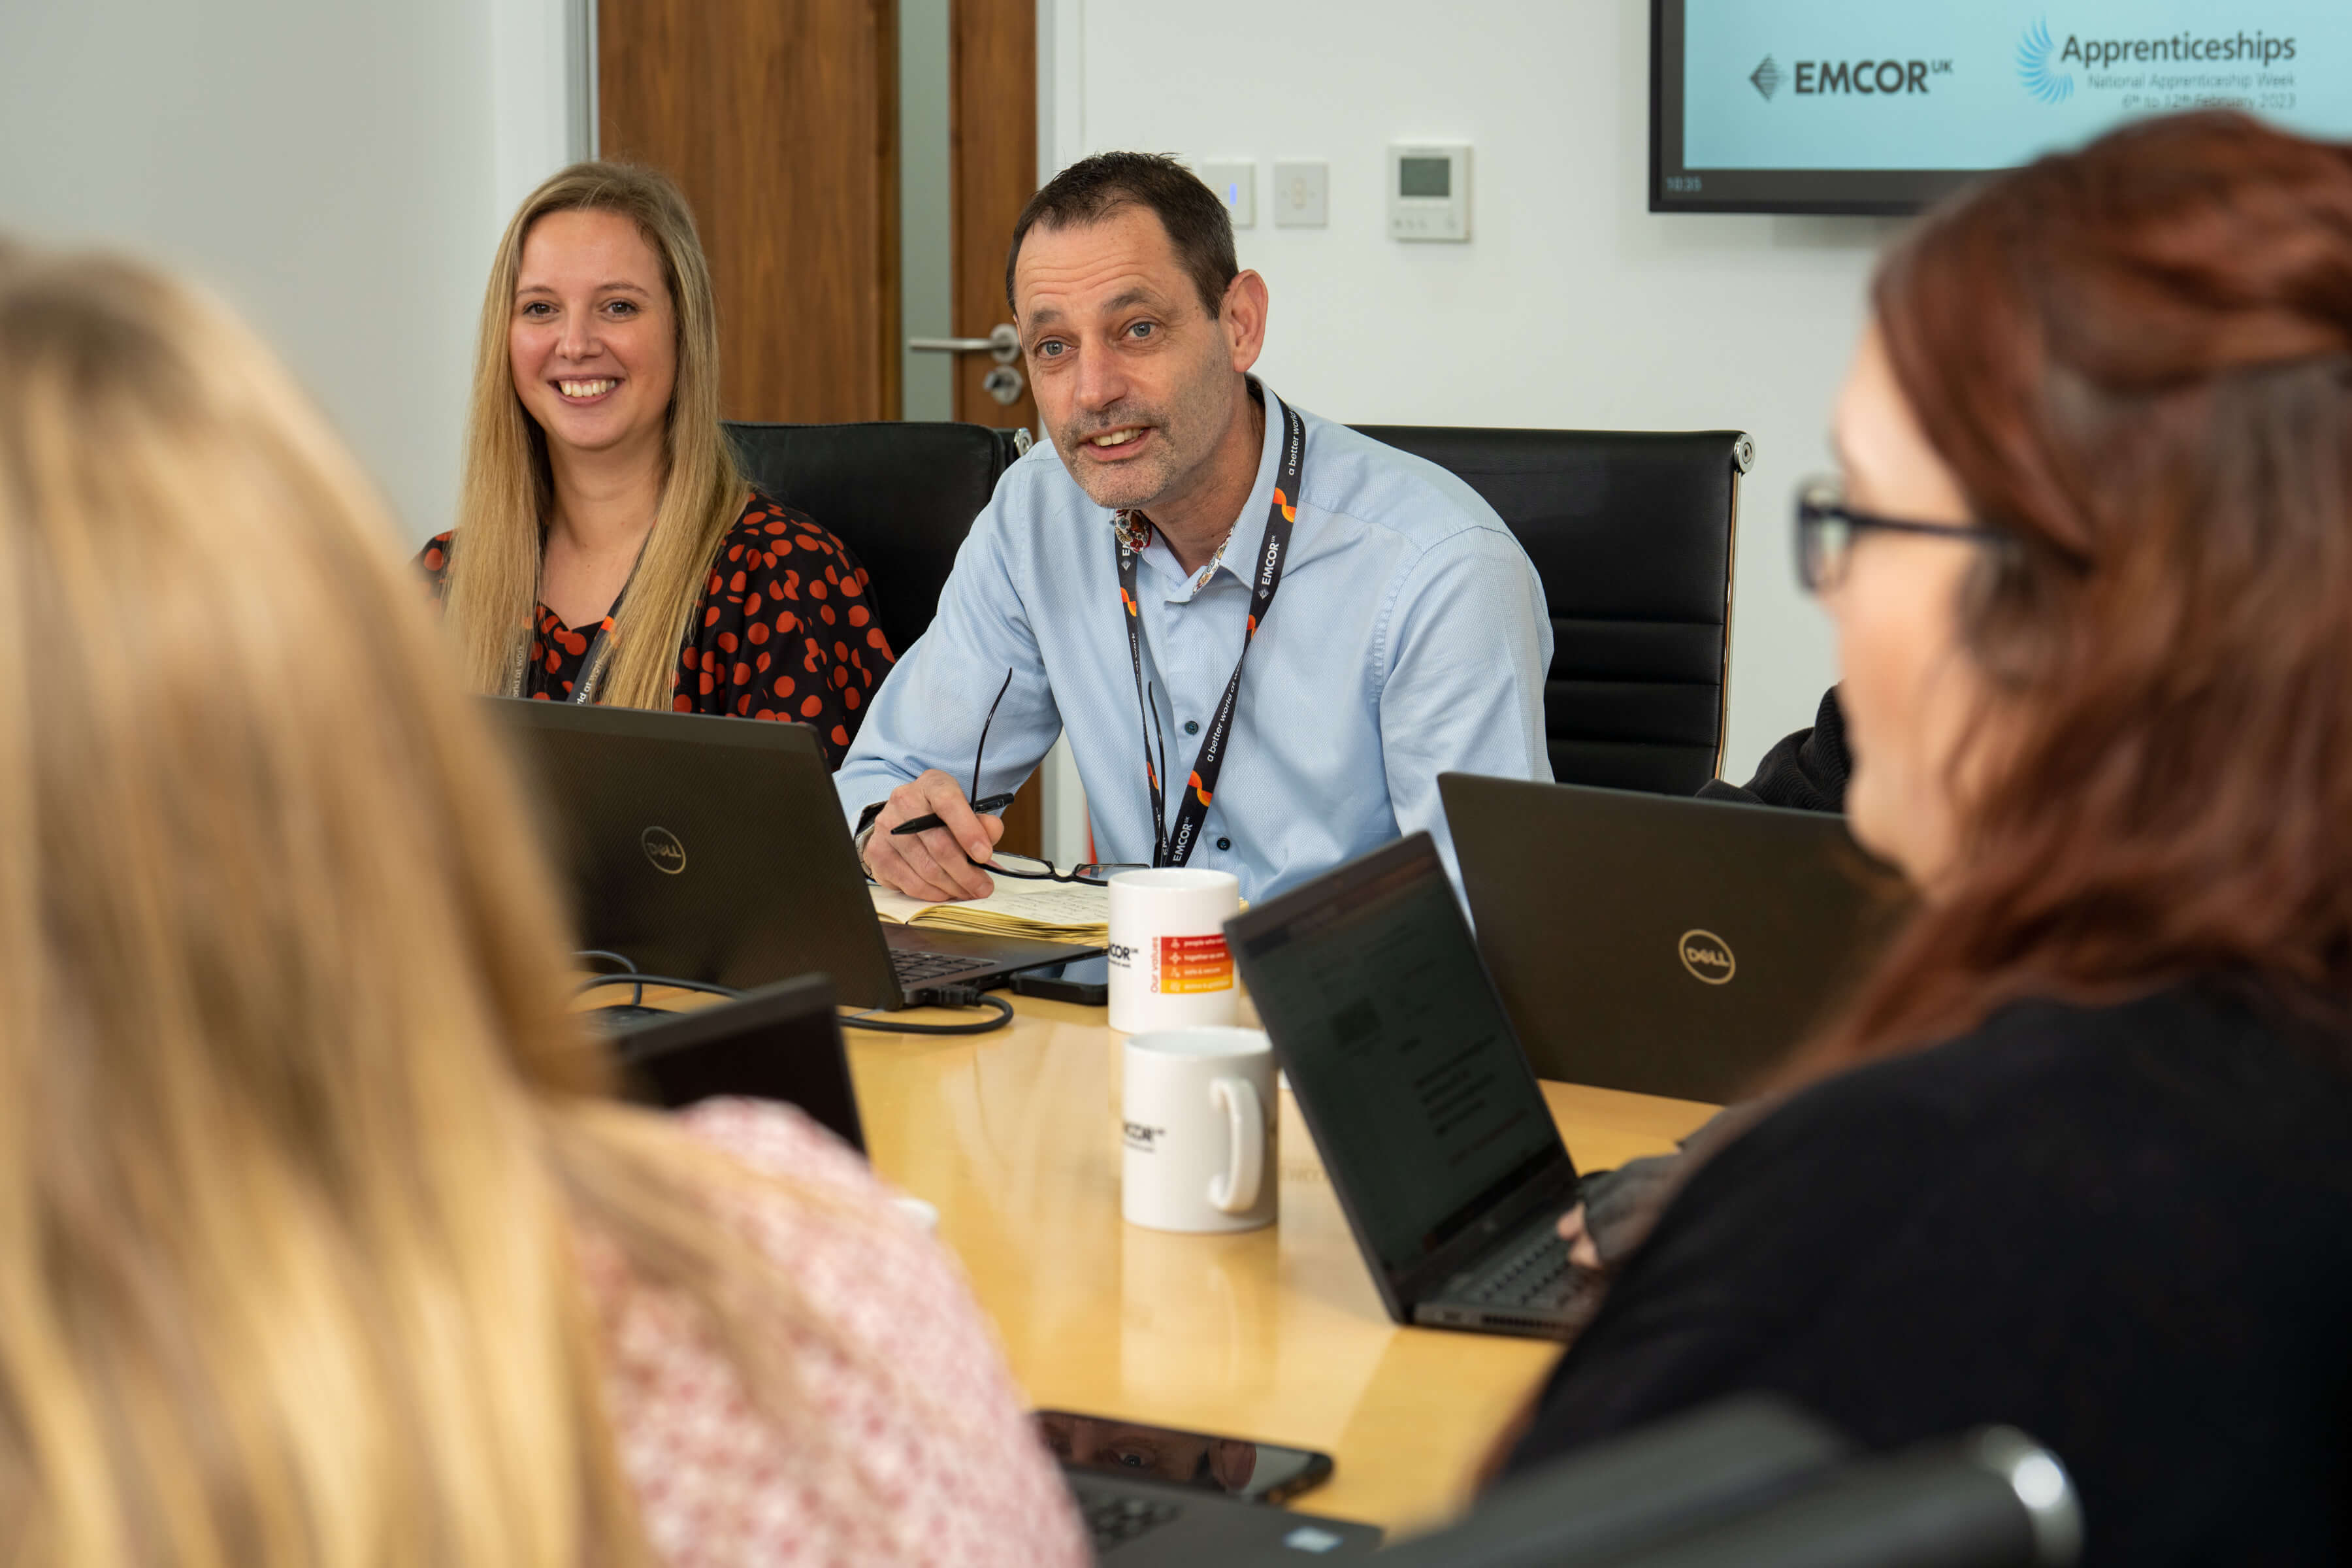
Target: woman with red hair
x=2079, y=1158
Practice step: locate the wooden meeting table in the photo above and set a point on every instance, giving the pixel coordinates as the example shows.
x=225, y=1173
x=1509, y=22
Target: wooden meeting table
x=1275, y=1334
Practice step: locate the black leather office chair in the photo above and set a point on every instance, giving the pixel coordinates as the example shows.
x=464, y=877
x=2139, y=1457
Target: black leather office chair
x=1755, y=1482
x=1631, y=533
x=900, y=494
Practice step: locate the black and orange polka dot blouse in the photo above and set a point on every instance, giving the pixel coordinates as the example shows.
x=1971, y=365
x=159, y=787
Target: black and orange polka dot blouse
x=785, y=630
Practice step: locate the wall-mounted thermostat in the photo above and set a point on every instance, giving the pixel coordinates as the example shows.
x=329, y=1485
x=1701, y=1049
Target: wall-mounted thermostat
x=1429, y=191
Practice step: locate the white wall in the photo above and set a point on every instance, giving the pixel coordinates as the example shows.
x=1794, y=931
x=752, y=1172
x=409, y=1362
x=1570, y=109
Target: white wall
x=338, y=171
x=1571, y=306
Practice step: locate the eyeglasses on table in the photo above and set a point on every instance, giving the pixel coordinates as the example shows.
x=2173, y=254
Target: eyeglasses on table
x=1030, y=867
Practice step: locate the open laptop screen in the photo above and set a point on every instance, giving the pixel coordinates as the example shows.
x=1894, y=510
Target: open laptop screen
x=1421, y=1101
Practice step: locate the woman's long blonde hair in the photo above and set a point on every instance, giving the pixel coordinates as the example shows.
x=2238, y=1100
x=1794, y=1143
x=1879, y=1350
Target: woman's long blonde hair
x=298, y=1137
x=503, y=506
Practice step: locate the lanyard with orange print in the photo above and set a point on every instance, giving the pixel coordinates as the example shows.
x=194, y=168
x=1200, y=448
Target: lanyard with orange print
x=1132, y=532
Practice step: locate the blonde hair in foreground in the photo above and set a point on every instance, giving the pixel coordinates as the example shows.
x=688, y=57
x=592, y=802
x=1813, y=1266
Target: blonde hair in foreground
x=503, y=505
x=297, y=1137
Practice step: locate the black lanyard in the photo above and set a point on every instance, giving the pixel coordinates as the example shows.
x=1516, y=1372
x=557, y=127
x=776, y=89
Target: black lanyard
x=1174, y=848
x=600, y=646
x=591, y=668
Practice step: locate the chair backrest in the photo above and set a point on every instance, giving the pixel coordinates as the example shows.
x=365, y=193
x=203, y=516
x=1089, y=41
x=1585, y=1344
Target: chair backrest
x=1756, y=1482
x=900, y=494
x=1631, y=533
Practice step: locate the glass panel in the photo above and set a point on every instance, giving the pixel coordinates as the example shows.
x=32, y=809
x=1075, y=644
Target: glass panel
x=925, y=249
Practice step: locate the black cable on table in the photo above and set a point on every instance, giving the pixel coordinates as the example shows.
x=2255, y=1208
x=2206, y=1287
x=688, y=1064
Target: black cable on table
x=626, y=964
x=940, y=996
x=641, y=981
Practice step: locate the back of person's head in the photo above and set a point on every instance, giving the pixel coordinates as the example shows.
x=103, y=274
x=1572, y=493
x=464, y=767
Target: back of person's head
x=296, y=1134
x=1199, y=228
x=508, y=487
x=2136, y=360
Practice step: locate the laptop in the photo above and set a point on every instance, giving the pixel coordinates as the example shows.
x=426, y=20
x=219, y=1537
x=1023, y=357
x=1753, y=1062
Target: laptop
x=1146, y=1524
x=1662, y=944
x=714, y=850
x=780, y=1042
x=1431, y=1128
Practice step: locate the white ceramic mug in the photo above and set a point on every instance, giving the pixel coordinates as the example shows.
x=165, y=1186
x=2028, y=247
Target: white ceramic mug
x=1169, y=967
x=1199, y=1117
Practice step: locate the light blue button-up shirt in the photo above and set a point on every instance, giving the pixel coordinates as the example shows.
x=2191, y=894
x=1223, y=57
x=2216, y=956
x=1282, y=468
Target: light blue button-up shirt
x=1409, y=638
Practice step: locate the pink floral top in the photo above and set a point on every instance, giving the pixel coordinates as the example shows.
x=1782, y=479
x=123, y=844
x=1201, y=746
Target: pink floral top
x=947, y=1467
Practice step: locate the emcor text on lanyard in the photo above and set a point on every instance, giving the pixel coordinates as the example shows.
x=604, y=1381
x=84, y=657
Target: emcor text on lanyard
x=1174, y=845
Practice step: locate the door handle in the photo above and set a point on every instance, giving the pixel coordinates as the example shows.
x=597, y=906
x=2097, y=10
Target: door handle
x=1003, y=341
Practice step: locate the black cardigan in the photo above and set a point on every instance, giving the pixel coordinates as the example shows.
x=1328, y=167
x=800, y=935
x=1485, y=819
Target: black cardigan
x=1804, y=772
x=2127, y=1230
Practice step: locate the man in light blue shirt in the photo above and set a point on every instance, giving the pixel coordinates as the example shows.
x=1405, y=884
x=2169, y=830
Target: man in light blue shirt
x=1408, y=635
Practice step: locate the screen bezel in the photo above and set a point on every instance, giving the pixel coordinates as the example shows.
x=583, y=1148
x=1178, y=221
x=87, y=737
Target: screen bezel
x=1547, y=1179
x=1860, y=192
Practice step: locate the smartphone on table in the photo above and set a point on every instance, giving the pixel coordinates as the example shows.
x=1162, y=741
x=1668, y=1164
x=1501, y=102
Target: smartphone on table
x=1237, y=1466
x=1086, y=980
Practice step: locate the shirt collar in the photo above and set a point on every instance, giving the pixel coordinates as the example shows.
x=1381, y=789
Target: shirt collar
x=1240, y=556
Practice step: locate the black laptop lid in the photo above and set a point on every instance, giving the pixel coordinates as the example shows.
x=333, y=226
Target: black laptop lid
x=778, y=1043
x=1402, y=1057
x=705, y=847
x=1659, y=943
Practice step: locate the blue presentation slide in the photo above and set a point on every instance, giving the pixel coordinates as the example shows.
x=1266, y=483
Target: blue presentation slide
x=1979, y=84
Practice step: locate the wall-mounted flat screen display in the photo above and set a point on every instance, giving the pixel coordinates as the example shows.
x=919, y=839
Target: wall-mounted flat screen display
x=1860, y=105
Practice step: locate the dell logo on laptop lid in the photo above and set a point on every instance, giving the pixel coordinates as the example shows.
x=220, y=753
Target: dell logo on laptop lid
x=1707, y=956
x=662, y=847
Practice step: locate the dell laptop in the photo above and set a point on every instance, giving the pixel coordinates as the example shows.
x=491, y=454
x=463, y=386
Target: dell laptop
x=714, y=850
x=1662, y=944
x=1433, y=1130
x=781, y=1043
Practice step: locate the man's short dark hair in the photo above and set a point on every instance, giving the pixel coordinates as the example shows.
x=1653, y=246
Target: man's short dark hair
x=1091, y=189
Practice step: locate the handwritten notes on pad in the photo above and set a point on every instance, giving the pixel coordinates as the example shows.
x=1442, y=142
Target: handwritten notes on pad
x=1049, y=911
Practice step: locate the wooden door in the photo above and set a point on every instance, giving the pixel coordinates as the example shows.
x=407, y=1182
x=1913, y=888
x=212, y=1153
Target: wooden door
x=992, y=122
x=992, y=127
x=780, y=121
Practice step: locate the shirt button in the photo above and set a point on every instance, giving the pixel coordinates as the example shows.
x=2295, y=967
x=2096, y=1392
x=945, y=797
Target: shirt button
x=1224, y=844
x=1191, y=726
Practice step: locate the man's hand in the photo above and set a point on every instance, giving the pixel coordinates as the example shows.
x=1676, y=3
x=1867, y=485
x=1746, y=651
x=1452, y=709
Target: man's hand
x=1580, y=1250
x=938, y=863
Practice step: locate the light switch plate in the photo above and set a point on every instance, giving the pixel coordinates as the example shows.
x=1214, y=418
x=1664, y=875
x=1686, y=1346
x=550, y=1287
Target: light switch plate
x=1236, y=185
x=1302, y=195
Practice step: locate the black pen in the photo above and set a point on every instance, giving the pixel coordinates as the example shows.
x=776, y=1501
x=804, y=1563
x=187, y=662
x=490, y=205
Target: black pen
x=930, y=820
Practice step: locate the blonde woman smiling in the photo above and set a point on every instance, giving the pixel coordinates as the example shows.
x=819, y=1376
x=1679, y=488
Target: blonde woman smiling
x=323, y=1245
x=607, y=549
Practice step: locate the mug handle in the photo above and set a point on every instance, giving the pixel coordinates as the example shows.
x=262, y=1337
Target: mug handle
x=1236, y=1191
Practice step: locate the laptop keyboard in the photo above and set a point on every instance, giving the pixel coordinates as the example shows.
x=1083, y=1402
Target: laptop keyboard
x=1535, y=1273
x=913, y=968
x=1114, y=1518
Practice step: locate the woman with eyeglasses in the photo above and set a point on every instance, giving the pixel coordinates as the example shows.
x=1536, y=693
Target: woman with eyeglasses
x=607, y=548
x=2079, y=1156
